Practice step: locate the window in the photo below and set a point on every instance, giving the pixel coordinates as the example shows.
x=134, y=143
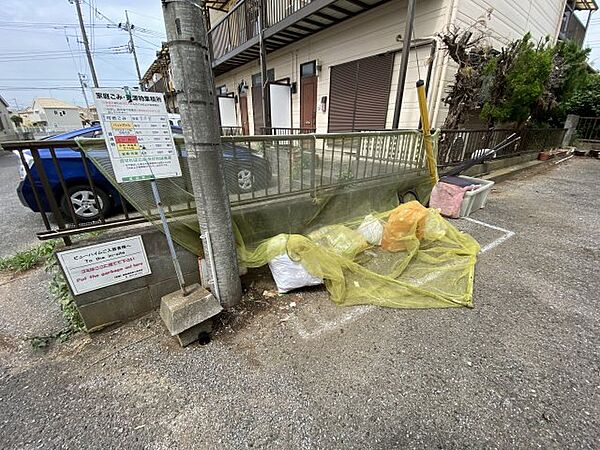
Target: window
x=359, y=94
x=222, y=90
x=308, y=69
x=257, y=78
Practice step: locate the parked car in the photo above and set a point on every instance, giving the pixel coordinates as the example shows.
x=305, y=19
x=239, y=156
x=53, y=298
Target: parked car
x=245, y=171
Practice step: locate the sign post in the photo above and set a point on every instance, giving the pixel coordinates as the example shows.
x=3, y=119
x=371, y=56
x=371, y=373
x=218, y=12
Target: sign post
x=140, y=145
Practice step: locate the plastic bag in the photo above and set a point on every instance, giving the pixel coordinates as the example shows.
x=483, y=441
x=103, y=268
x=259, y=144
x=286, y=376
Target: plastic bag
x=339, y=238
x=371, y=229
x=404, y=228
x=290, y=275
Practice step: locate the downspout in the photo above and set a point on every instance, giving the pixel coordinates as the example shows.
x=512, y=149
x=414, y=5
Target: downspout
x=441, y=75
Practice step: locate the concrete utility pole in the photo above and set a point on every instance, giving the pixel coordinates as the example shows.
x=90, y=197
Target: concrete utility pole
x=194, y=87
x=83, y=86
x=406, y=40
x=86, y=43
x=266, y=95
x=129, y=27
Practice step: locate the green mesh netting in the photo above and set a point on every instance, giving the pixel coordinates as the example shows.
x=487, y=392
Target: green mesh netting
x=306, y=196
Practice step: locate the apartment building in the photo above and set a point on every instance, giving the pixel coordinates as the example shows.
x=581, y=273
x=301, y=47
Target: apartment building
x=334, y=64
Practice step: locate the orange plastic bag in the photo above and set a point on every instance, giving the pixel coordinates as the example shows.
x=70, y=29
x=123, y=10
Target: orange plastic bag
x=405, y=227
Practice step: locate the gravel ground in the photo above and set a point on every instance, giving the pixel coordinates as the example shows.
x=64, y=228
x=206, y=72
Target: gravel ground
x=521, y=369
x=18, y=224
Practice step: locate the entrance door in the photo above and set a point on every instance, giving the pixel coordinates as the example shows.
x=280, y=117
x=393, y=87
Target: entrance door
x=308, y=95
x=244, y=115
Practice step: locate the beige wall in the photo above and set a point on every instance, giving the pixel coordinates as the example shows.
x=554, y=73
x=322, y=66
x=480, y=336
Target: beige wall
x=375, y=32
x=371, y=33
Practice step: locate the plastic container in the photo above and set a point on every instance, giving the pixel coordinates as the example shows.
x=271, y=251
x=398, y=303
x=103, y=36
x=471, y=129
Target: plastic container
x=474, y=200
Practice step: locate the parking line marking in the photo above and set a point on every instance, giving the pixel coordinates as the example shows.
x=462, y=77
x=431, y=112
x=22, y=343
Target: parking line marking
x=325, y=327
x=507, y=234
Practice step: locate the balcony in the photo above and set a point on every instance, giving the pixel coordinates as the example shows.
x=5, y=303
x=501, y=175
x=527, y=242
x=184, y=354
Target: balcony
x=572, y=28
x=235, y=37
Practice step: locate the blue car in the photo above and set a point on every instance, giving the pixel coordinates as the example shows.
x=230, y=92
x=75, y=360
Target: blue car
x=245, y=171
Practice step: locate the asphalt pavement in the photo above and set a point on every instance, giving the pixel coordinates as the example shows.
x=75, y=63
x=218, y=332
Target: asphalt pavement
x=18, y=224
x=519, y=370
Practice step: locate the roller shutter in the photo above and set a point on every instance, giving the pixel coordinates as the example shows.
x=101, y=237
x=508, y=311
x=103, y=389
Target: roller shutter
x=359, y=94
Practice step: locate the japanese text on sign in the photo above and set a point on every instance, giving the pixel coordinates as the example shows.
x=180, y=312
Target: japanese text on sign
x=101, y=265
x=138, y=135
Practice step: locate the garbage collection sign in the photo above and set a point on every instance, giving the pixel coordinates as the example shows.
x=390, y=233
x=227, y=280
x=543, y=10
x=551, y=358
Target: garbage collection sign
x=137, y=133
x=101, y=265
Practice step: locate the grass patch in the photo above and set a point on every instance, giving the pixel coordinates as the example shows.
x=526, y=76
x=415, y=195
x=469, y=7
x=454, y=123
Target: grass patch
x=28, y=259
x=39, y=255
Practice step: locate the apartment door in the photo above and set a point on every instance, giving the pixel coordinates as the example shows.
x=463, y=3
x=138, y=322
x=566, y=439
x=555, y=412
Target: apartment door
x=308, y=95
x=244, y=114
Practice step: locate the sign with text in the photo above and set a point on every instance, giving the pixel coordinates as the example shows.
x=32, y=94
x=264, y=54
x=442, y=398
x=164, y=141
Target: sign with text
x=97, y=266
x=137, y=133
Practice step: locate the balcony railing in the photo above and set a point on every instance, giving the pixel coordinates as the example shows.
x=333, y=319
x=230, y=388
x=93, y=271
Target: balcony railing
x=572, y=29
x=241, y=24
x=235, y=37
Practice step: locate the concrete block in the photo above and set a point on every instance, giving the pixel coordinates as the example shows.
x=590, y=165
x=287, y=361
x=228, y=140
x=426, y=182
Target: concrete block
x=180, y=313
x=191, y=335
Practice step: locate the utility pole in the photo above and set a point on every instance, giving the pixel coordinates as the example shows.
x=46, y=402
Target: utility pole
x=129, y=27
x=266, y=97
x=83, y=86
x=86, y=43
x=410, y=18
x=194, y=87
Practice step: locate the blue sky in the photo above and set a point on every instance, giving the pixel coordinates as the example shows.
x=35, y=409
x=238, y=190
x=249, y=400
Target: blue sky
x=40, y=46
x=34, y=52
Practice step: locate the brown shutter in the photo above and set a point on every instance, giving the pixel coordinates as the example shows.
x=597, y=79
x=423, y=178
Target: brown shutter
x=359, y=94
x=342, y=95
x=373, y=92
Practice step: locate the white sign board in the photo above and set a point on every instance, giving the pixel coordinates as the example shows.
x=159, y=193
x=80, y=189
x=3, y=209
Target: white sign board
x=97, y=266
x=281, y=105
x=227, y=111
x=138, y=135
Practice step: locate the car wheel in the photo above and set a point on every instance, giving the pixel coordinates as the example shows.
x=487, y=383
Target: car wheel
x=244, y=180
x=84, y=206
x=408, y=197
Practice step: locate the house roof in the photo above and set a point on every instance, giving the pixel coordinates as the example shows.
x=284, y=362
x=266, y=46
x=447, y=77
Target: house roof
x=48, y=102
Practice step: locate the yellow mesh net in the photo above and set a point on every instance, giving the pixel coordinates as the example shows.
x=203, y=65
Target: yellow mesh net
x=434, y=268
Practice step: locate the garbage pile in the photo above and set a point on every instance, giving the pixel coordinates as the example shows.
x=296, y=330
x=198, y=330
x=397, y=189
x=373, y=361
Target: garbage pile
x=409, y=257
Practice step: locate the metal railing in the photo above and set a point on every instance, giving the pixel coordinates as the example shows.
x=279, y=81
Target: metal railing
x=257, y=169
x=241, y=23
x=456, y=146
x=313, y=163
x=588, y=129
x=45, y=189
x=286, y=131
x=231, y=131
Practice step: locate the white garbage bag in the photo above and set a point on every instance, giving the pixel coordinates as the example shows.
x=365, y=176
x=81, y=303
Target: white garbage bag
x=290, y=275
x=371, y=229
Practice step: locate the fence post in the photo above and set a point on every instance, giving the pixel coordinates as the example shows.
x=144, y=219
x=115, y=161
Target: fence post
x=571, y=126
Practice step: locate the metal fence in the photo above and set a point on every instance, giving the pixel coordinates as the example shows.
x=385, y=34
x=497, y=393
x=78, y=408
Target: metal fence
x=313, y=163
x=257, y=168
x=241, y=23
x=588, y=129
x=286, y=131
x=456, y=146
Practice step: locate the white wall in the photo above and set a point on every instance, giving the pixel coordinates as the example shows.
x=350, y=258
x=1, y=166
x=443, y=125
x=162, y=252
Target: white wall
x=62, y=119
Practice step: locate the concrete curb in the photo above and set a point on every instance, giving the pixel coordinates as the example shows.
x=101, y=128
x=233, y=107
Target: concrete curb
x=502, y=174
